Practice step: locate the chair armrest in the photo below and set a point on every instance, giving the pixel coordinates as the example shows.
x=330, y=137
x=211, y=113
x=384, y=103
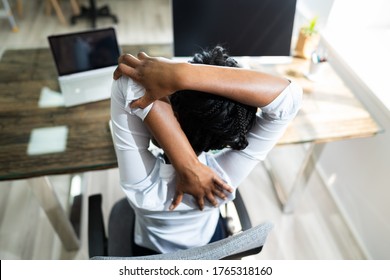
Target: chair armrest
x=97, y=239
x=242, y=212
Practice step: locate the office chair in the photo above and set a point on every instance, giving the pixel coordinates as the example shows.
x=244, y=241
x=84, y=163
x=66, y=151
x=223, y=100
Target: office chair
x=93, y=13
x=120, y=230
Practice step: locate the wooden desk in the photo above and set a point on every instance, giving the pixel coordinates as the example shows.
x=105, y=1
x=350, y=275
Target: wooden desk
x=23, y=74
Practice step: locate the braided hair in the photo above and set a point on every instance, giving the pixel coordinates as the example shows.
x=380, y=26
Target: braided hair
x=212, y=122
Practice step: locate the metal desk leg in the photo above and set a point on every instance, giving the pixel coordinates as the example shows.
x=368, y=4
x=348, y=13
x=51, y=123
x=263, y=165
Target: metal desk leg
x=287, y=202
x=48, y=200
x=7, y=13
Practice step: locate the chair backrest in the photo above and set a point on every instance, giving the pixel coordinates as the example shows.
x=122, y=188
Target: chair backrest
x=245, y=243
x=120, y=231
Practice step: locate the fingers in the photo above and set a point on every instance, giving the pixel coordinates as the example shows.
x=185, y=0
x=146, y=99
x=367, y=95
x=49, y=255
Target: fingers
x=212, y=189
x=222, y=184
x=126, y=65
x=142, y=102
x=123, y=69
x=129, y=60
x=220, y=194
x=220, y=187
x=200, y=202
x=117, y=73
x=210, y=197
x=142, y=55
x=176, y=201
x=199, y=199
x=179, y=197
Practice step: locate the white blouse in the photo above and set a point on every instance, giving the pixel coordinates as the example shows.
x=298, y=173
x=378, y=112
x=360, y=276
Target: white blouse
x=149, y=183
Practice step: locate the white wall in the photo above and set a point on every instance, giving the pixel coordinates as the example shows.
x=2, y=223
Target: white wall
x=307, y=10
x=358, y=176
x=357, y=171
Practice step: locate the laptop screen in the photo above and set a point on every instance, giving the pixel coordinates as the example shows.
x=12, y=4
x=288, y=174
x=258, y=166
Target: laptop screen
x=84, y=51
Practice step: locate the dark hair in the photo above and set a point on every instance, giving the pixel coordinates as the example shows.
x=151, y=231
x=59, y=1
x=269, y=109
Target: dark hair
x=212, y=122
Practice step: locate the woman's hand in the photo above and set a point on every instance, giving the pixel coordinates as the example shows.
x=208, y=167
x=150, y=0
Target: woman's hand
x=201, y=182
x=156, y=75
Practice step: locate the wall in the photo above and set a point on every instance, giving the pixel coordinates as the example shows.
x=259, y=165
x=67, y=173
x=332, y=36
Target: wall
x=357, y=171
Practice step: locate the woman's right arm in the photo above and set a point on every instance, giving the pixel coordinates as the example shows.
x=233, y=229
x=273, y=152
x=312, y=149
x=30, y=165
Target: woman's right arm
x=162, y=77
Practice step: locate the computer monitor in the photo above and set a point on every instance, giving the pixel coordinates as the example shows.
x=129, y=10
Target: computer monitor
x=244, y=27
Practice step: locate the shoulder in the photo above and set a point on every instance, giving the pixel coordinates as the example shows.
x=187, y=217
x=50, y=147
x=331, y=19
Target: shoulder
x=119, y=87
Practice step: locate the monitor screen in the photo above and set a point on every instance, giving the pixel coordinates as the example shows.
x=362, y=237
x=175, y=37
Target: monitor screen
x=244, y=27
x=83, y=51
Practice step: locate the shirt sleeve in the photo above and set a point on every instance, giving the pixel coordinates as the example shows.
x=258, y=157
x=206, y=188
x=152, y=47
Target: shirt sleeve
x=130, y=135
x=133, y=91
x=271, y=123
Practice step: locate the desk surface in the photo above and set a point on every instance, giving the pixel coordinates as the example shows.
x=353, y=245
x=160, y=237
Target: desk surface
x=23, y=74
x=330, y=112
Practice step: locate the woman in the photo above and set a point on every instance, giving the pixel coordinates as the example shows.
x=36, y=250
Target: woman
x=189, y=109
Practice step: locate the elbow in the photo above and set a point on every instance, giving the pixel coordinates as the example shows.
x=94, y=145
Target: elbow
x=291, y=104
x=297, y=98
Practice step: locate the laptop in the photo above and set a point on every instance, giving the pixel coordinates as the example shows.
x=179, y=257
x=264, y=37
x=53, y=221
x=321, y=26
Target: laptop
x=85, y=63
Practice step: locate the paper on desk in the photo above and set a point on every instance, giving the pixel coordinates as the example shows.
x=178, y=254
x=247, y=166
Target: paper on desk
x=50, y=98
x=260, y=61
x=47, y=140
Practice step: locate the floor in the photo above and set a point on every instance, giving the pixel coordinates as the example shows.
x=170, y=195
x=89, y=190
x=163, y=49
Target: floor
x=315, y=230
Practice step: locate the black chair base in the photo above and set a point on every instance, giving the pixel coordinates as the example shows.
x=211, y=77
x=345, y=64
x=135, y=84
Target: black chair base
x=93, y=13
